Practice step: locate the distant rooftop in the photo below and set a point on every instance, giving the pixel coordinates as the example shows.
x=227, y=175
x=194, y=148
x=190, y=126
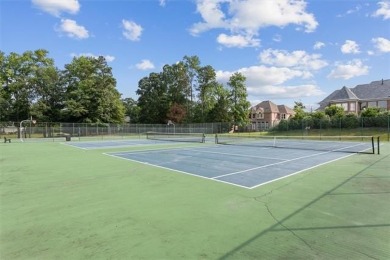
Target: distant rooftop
x=375, y=90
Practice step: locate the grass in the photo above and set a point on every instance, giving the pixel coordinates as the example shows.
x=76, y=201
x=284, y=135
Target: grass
x=58, y=202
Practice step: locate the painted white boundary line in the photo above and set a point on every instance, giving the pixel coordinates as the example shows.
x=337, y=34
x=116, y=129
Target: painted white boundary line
x=166, y=168
x=315, y=166
x=272, y=164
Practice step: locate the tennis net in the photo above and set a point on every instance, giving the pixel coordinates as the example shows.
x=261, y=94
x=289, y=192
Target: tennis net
x=177, y=137
x=348, y=144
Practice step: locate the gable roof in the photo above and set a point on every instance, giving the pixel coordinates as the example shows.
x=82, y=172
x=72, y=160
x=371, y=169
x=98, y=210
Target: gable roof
x=375, y=90
x=285, y=110
x=270, y=107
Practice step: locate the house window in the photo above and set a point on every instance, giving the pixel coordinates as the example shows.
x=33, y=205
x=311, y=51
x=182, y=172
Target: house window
x=343, y=105
x=260, y=116
x=372, y=104
x=253, y=115
x=283, y=116
x=382, y=104
x=352, y=107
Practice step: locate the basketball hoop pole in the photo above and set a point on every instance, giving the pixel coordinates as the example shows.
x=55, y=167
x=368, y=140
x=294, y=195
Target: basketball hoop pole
x=21, y=124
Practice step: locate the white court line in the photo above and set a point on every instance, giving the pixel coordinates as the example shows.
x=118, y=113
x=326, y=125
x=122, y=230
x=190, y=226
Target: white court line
x=291, y=174
x=272, y=164
x=166, y=168
x=201, y=148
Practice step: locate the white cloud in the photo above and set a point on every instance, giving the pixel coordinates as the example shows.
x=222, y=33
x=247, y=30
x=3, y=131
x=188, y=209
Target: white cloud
x=162, y=2
x=351, y=11
x=285, y=91
x=296, y=59
x=382, y=44
x=132, y=31
x=384, y=10
x=108, y=58
x=277, y=38
x=247, y=17
x=318, y=45
x=349, y=70
x=350, y=47
x=237, y=41
x=72, y=29
x=56, y=7
x=145, y=65
x=270, y=82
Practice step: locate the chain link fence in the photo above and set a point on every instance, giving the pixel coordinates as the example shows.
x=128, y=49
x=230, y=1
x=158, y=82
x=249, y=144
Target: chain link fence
x=337, y=126
x=347, y=125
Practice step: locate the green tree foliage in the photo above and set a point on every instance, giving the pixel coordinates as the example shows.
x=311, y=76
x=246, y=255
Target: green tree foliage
x=207, y=92
x=334, y=111
x=91, y=94
x=221, y=111
x=299, y=110
x=238, y=97
x=153, y=99
x=132, y=109
x=182, y=92
x=370, y=112
x=22, y=77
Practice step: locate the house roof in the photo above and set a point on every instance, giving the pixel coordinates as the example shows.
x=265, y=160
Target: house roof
x=285, y=109
x=270, y=107
x=375, y=90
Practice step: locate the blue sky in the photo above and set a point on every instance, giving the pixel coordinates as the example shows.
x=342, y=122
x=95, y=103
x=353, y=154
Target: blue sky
x=289, y=50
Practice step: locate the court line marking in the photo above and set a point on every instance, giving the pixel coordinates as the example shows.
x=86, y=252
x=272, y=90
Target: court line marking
x=118, y=155
x=272, y=164
x=170, y=169
x=294, y=173
x=201, y=148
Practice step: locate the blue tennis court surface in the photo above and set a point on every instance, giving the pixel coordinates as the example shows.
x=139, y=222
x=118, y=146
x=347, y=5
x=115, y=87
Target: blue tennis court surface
x=243, y=166
x=90, y=145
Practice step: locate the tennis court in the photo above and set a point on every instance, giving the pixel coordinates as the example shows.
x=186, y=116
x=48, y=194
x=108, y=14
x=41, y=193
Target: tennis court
x=57, y=197
x=249, y=163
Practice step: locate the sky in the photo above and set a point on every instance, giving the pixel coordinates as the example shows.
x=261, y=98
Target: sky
x=288, y=50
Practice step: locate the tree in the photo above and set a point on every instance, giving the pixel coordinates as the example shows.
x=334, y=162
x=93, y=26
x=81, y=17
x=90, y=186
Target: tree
x=220, y=112
x=50, y=92
x=334, y=111
x=238, y=95
x=91, y=94
x=207, y=87
x=153, y=99
x=192, y=65
x=176, y=113
x=370, y=112
x=132, y=109
x=20, y=75
x=299, y=110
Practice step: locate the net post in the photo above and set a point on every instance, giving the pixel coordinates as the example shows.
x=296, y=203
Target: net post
x=216, y=138
x=378, y=143
x=373, y=145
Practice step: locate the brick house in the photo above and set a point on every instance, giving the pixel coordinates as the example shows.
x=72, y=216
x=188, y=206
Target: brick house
x=354, y=100
x=267, y=114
